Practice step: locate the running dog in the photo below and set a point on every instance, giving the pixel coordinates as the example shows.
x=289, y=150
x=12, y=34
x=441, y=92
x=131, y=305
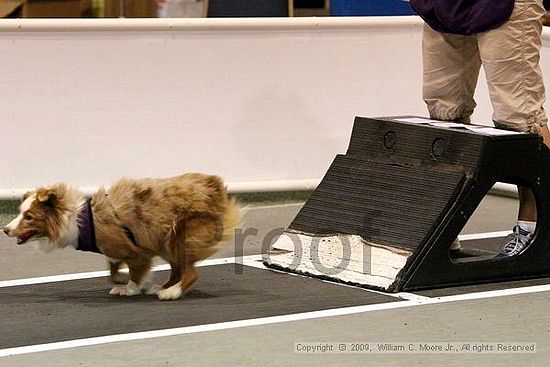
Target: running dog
x=183, y=219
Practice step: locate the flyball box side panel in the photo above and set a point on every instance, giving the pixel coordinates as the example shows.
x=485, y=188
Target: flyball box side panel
x=390, y=205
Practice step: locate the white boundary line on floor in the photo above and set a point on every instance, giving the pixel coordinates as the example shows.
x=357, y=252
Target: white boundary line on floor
x=481, y=236
x=492, y=294
x=201, y=328
x=264, y=321
x=104, y=273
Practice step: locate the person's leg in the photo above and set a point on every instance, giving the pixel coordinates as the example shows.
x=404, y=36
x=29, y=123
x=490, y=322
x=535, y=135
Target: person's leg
x=510, y=56
x=527, y=204
x=451, y=66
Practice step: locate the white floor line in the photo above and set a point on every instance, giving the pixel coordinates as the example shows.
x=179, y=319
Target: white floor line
x=414, y=297
x=413, y=302
x=480, y=236
x=53, y=278
x=201, y=328
x=493, y=294
x=271, y=207
x=104, y=273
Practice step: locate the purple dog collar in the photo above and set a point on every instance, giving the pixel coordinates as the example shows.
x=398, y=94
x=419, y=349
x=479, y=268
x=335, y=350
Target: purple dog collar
x=86, y=231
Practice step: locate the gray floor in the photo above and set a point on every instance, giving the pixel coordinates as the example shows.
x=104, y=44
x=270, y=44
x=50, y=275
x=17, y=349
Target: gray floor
x=495, y=319
x=220, y=295
x=492, y=318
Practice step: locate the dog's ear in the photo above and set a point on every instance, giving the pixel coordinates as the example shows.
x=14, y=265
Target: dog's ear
x=27, y=195
x=46, y=197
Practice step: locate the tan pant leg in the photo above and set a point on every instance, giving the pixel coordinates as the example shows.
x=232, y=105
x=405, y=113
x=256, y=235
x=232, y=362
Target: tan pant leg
x=510, y=55
x=451, y=68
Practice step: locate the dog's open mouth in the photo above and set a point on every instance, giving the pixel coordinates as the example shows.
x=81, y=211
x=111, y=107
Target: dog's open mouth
x=22, y=238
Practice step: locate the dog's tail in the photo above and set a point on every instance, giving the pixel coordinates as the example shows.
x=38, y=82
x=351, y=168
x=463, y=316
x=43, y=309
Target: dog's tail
x=225, y=224
x=231, y=220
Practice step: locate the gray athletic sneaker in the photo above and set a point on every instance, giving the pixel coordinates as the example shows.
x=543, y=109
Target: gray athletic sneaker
x=515, y=242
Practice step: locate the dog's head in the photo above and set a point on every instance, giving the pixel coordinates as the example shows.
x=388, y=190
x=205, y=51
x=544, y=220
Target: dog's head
x=43, y=216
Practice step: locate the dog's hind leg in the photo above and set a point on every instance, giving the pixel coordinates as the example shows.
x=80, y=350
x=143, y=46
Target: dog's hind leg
x=181, y=287
x=189, y=278
x=139, y=268
x=175, y=276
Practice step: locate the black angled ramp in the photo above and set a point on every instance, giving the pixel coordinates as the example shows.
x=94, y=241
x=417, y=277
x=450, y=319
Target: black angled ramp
x=386, y=212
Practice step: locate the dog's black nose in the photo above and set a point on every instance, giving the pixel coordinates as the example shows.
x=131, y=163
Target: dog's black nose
x=6, y=230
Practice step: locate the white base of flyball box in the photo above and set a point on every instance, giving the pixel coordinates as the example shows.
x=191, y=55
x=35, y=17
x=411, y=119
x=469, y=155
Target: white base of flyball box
x=342, y=258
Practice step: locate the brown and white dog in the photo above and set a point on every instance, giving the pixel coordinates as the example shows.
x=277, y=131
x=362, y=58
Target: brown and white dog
x=183, y=219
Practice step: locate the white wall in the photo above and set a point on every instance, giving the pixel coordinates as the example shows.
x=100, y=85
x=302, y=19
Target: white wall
x=88, y=101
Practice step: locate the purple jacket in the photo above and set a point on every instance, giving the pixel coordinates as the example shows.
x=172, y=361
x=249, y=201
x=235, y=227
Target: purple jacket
x=464, y=17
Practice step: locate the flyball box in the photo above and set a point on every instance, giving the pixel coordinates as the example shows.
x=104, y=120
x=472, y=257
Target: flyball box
x=386, y=212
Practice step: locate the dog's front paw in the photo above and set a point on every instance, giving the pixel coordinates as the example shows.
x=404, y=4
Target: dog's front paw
x=118, y=291
x=170, y=294
x=131, y=289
